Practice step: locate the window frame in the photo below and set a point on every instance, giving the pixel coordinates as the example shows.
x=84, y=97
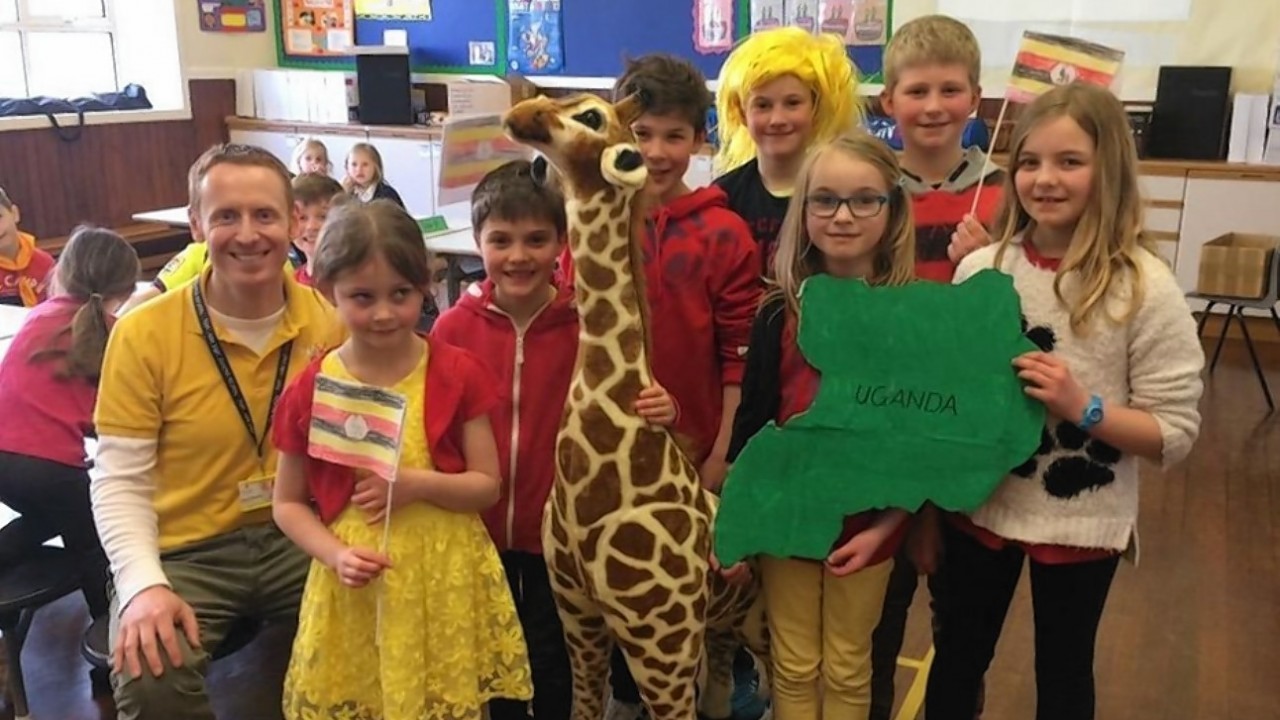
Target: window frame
x=28, y=22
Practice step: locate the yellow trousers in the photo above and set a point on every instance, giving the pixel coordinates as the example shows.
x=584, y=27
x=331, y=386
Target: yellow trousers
x=820, y=626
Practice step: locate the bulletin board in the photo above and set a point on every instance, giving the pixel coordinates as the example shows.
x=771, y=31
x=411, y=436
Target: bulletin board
x=598, y=35
x=439, y=45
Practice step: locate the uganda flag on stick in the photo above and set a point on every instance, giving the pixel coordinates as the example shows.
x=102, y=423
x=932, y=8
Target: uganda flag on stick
x=1046, y=61
x=356, y=425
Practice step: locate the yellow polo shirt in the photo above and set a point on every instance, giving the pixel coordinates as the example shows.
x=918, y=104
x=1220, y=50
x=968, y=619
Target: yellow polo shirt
x=159, y=382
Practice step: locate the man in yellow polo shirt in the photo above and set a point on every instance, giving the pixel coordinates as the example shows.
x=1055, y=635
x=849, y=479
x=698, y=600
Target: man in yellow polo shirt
x=182, y=481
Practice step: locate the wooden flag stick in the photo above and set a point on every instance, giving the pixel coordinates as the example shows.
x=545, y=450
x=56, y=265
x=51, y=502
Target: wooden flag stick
x=386, y=527
x=986, y=159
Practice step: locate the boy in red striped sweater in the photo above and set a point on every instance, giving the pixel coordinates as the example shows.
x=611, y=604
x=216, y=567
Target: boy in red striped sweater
x=931, y=89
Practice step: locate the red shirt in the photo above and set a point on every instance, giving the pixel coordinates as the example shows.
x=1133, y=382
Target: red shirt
x=33, y=268
x=702, y=282
x=302, y=276
x=799, y=386
x=44, y=417
x=460, y=390
x=1043, y=554
x=534, y=370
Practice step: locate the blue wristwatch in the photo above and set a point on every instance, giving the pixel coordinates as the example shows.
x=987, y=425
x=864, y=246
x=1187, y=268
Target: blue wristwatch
x=1092, y=413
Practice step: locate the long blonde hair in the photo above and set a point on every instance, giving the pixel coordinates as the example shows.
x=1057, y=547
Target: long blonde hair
x=819, y=61
x=798, y=259
x=1108, y=237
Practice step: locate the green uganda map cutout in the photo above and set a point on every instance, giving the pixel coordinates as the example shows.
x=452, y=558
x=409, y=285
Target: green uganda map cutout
x=918, y=401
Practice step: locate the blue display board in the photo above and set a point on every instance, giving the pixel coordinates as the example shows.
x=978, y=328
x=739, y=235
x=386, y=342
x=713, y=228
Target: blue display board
x=598, y=35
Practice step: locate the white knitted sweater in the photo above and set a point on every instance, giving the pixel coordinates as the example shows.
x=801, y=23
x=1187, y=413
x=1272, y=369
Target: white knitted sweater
x=1077, y=491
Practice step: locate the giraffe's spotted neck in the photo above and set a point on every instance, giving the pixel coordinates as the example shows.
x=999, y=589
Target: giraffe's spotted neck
x=609, y=286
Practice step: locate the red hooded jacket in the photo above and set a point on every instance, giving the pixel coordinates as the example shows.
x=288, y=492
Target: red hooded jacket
x=702, y=281
x=534, y=370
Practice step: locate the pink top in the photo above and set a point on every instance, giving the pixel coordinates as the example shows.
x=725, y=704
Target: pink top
x=44, y=417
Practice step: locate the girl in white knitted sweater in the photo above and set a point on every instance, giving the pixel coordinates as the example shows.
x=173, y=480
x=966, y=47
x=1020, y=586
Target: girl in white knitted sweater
x=1119, y=375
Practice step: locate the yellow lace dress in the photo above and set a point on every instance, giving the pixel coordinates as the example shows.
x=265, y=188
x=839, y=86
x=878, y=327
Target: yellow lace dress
x=450, y=639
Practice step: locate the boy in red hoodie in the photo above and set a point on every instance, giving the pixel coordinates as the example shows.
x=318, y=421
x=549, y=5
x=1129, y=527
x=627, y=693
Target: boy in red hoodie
x=525, y=329
x=702, y=279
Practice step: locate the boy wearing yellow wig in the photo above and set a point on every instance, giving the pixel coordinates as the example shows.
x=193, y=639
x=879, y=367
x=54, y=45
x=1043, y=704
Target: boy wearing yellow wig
x=780, y=92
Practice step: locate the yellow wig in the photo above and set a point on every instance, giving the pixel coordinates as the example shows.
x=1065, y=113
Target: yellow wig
x=819, y=61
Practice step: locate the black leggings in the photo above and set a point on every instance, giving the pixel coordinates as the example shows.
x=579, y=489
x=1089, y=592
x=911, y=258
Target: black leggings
x=52, y=499
x=544, y=636
x=978, y=585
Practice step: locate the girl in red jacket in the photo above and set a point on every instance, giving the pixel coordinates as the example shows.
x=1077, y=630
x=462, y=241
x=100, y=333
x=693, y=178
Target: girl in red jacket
x=437, y=634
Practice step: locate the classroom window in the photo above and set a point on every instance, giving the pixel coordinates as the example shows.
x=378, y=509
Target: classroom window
x=63, y=48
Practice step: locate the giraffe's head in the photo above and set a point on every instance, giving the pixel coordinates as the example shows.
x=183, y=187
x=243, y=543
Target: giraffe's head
x=586, y=138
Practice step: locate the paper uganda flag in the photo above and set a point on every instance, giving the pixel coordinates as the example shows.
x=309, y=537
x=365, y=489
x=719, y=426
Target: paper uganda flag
x=356, y=425
x=1046, y=61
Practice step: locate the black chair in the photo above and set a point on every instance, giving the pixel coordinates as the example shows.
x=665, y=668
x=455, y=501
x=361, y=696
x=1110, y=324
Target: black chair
x=43, y=576
x=1235, y=309
x=96, y=649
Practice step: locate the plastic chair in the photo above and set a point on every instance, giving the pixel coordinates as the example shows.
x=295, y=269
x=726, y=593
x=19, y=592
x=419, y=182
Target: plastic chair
x=1235, y=308
x=43, y=576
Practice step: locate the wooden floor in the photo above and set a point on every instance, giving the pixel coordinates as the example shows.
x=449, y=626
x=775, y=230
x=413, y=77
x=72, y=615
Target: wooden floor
x=1193, y=632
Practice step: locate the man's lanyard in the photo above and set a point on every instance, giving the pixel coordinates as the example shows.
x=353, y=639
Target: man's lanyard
x=229, y=377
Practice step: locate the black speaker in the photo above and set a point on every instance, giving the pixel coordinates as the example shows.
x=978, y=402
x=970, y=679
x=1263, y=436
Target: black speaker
x=1191, y=114
x=384, y=86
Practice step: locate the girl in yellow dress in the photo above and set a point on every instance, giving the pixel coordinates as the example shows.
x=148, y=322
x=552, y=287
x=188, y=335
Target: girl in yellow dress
x=425, y=629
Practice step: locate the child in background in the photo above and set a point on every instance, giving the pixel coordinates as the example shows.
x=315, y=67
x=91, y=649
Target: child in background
x=48, y=386
x=780, y=92
x=438, y=635
x=931, y=89
x=364, y=180
x=525, y=330
x=25, y=269
x=310, y=156
x=1120, y=380
x=312, y=195
x=702, y=283
x=850, y=219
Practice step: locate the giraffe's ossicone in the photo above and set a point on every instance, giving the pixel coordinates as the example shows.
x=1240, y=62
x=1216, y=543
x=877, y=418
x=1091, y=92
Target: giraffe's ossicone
x=627, y=527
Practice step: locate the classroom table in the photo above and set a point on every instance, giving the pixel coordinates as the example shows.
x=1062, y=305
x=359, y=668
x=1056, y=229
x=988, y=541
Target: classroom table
x=11, y=318
x=453, y=245
x=175, y=216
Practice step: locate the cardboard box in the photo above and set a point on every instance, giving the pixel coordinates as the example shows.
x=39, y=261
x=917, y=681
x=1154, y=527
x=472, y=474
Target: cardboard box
x=482, y=97
x=1236, y=265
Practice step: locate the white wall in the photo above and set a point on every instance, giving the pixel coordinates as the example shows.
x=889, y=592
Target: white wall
x=219, y=55
x=1239, y=33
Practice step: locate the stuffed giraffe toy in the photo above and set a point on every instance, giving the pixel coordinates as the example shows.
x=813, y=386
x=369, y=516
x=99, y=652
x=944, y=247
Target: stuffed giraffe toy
x=627, y=527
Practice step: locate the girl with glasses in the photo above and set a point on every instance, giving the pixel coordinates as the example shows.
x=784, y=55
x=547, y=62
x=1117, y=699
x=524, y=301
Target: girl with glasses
x=848, y=218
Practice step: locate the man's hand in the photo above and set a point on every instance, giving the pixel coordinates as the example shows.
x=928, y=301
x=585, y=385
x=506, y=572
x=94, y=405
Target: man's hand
x=148, y=627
